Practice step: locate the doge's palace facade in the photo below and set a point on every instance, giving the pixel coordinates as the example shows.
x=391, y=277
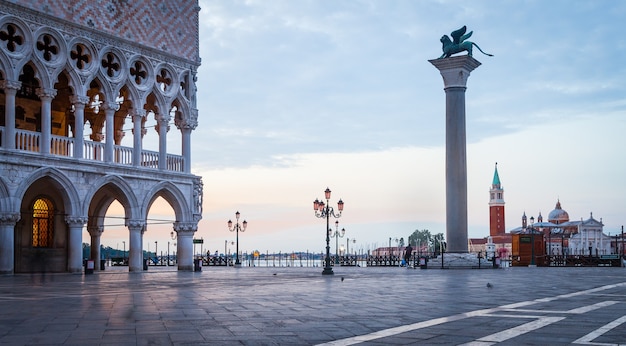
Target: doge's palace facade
x=79, y=83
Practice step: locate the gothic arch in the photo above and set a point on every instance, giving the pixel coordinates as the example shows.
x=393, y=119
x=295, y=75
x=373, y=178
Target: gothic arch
x=173, y=196
x=5, y=197
x=6, y=73
x=63, y=184
x=107, y=189
x=40, y=73
x=78, y=85
x=156, y=99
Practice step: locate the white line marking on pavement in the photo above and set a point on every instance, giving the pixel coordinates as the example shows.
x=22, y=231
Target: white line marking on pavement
x=588, y=339
x=419, y=325
x=521, y=329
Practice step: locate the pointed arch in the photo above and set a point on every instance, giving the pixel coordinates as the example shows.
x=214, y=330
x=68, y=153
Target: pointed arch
x=40, y=74
x=64, y=185
x=107, y=189
x=172, y=195
x=5, y=197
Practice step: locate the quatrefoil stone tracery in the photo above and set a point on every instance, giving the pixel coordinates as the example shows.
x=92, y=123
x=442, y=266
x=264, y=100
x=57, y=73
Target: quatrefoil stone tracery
x=48, y=47
x=81, y=56
x=110, y=64
x=139, y=72
x=164, y=80
x=12, y=37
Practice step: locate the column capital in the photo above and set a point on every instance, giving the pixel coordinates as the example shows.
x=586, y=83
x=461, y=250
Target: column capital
x=185, y=227
x=110, y=106
x=76, y=220
x=9, y=218
x=79, y=100
x=135, y=225
x=95, y=231
x=10, y=85
x=138, y=112
x=455, y=70
x=44, y=93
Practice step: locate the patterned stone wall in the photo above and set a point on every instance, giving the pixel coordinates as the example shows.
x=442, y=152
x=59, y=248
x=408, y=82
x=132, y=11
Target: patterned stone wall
x=167, y=25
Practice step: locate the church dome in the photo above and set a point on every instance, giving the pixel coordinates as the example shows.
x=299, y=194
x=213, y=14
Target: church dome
x=558, y=215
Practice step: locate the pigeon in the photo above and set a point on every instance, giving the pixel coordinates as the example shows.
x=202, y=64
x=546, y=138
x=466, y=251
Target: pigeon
x=274, y=274
x=489, y=285
x=342, y=278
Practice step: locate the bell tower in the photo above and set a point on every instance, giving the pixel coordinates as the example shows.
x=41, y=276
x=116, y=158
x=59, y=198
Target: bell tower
x=496, y=206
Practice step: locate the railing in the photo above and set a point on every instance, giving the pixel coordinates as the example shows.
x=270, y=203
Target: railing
x=94, y=151
x=123, y=155
x=65, y=146
x=27, y=140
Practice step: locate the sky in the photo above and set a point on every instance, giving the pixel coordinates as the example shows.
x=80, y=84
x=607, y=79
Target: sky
x=298, y=96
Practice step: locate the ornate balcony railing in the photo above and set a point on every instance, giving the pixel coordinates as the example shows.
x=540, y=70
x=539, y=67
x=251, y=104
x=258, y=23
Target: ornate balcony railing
x=65, y=146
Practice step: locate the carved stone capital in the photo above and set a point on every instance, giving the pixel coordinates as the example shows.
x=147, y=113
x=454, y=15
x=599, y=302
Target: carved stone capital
x=76, y=221
x=138, y=112
x=10, y=85
x=136, y=225
x=110, y=106
x=455, y=70
x=185, y=227
x=46, y=94
x=9, y=218
x=77, y=100
x=95, y=231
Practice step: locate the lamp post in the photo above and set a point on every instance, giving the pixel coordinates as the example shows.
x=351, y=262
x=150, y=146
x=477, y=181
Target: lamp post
x=325, y=211
x=532, y=241
x=236, y=229
x=337, y=234
x=348, y=245
x=156, y=253
x=124, y=252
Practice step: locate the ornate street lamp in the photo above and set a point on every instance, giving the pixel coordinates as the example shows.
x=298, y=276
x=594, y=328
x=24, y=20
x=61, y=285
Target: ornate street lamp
x=325, y=211
x=337, y=234
x=236, y=229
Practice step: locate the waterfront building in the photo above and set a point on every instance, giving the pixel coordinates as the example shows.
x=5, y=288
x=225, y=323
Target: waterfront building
x=78, y=80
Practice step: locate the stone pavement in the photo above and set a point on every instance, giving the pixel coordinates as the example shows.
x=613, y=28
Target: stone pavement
x=299, y=306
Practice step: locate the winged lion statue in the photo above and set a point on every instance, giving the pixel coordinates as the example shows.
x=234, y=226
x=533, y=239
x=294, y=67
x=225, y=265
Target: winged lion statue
x=458, y=43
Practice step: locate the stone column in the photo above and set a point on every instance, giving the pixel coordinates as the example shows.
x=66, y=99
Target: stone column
x=109, y=141
x=95, y=232
x=184, y=247
x=455, y=72
x=162, y=129
x=138, y=132
x=186, y=127
x=7, y=242
x=79, y=103
x=135, y=249
x=46, y=96
x=75, y=243
x=10, y=90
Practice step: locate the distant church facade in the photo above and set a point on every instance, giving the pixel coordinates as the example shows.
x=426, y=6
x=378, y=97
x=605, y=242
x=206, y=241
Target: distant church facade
x=76, y=79
x=559, y=235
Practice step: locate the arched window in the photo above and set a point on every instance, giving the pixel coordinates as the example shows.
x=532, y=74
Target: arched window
x=43, y=222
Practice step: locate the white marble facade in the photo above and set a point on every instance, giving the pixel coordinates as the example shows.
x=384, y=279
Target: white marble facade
x=69, y=94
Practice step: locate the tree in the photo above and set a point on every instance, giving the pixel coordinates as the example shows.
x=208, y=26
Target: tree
x=420, y=238
x=423, y=238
